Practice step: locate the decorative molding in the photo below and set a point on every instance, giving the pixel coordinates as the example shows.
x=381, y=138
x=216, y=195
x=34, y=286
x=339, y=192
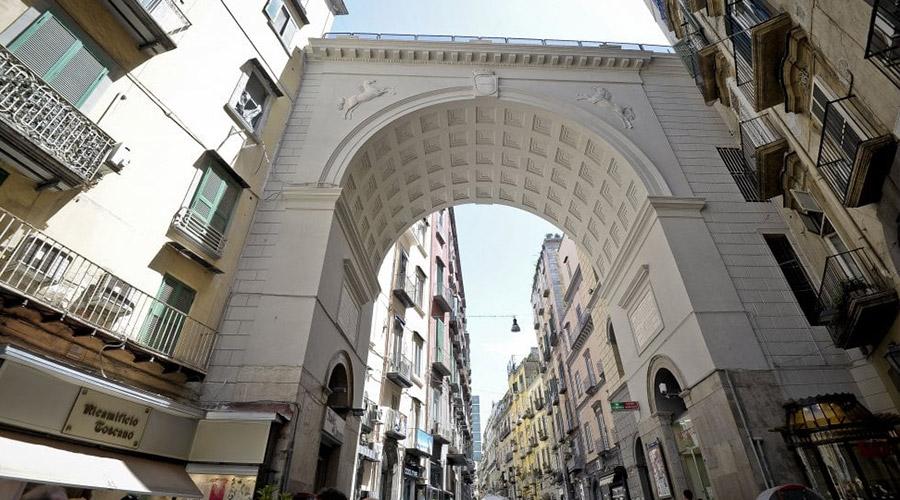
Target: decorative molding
x=310, y=197
x=481, y=53
x=797, y=71
x=600, y=96
x=485, y=83
x=675, y=206
x=637, y=281
x=368, y=91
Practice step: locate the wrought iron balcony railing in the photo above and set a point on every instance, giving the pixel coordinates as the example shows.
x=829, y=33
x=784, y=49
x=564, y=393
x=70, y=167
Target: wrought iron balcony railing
x=764, y=148
x=189, y=223
x=441, y=362
x=399, y=370
x=394, y=423
x=857, y=302
x=371, y=418
x=759, y=42
x=42, y=270
x=883, y=44
x=151, y=22
x=405, y=290
x=443, y=298
x=45, y=136
x=699, y=57
x=854, y=154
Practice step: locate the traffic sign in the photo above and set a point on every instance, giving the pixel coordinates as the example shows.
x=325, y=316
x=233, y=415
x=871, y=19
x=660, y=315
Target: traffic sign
x=623, y=405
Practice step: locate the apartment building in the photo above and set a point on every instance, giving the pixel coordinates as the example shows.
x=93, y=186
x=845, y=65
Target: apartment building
x=476, y=429
x=415, y=441
x=135, y=137
x=811, y=92
x=496, y=472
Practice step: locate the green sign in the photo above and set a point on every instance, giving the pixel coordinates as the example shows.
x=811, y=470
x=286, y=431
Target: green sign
x=623, y=405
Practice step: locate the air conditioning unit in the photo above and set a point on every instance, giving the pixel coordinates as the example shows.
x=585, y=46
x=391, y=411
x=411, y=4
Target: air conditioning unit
x=119, y=157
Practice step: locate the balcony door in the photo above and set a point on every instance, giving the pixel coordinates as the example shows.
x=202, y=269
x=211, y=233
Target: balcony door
x=215, y=199
x=167, y=315
x=60, y=58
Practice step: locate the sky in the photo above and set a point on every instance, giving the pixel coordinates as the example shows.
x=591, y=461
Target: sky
x=499, y=245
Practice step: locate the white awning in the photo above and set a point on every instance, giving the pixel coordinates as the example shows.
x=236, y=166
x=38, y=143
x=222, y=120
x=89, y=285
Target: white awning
x=40, y=460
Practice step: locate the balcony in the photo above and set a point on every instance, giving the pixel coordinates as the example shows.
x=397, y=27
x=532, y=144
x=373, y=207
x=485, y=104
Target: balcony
x=404, y=290
x=441, y=361
x=456, y=314
x=399, y=370
x=46, y=138
x=441, y=433
x=456, y=457
x=759, y=41
x=554, y=338
x=528, y=413
x=190, y=224
x=576, y=464
x=764, y=148
x=883, y=44
x=855, y=155
x=371, y=418
x=443, y=298
x=699, y=57
x=539, y=403
x=70, y=290
x=151, y=22
x=394, y=423
x=509, y=456
x=542, y=434
x=857, y=302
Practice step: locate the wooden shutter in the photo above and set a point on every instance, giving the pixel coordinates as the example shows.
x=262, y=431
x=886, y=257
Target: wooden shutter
x=60, y=58
x=163, y=324
x=215, y=198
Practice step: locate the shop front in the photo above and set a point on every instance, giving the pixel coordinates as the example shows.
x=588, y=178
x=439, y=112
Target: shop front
x=97, y=439
x=845, y=451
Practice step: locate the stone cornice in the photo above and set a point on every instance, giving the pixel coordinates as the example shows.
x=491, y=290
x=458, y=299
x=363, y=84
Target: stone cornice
x=477, y=53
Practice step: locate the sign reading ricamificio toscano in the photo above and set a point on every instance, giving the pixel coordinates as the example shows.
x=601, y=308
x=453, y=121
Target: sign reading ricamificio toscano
x=99, y=417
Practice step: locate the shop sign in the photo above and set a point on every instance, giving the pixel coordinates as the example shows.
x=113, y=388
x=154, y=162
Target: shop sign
x=99, y=417
x=333, y=425
x=658, y=470
x=623, y=405
x=424, y=441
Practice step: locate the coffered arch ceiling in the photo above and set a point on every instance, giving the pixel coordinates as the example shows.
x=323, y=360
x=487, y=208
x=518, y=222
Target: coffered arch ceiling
x=493, y=151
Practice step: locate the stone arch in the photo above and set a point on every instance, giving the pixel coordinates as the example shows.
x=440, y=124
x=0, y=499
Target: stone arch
x=446, y=148
x=339, y=383
x=662, y=367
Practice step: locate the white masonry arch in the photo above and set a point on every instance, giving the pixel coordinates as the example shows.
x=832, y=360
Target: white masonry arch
x=446, y=147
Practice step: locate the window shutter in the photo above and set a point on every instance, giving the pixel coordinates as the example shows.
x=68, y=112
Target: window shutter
x=52, y=51
x=225, y=207
x=215, y=198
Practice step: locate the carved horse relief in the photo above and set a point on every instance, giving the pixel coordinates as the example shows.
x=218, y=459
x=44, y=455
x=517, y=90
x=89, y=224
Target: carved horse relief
x=602, y=97
x=368, y=91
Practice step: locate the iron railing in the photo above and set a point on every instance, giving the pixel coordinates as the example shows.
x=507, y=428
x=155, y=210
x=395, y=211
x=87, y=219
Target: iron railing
x=547, y=42
x=848, y=147
x=189, y=223
x=35, y=110
x=688, y=48
x=443, y=296
x=167, y=15
x=371, y=417
x=852, y=281
x=394, y=423
x=43, y=270
x=405, y=290
x=883, y=44
x=400, y=370
x=746, y=179
x=740, y=18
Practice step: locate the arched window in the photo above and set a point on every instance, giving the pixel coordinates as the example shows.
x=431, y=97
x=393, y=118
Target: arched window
x=611, y=338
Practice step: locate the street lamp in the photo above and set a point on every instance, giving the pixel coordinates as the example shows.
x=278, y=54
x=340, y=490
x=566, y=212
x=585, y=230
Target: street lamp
x=515, y=324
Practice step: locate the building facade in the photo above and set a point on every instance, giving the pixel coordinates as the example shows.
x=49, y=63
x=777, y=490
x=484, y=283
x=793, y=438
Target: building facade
x=416, y=434
x=135, y=140
x=811, y=92
x=476, y=429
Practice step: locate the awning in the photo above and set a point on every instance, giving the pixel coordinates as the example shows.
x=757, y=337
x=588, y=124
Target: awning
x=41, y=460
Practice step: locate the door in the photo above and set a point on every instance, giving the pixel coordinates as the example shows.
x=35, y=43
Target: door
x=167, y=315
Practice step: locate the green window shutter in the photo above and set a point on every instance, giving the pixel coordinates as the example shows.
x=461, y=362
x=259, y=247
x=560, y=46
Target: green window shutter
x=215, y=198
x=60, y=58
x=439, y=335
x=163, y=324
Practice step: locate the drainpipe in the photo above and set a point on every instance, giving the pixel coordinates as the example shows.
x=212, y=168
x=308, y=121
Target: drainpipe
x=763, y=468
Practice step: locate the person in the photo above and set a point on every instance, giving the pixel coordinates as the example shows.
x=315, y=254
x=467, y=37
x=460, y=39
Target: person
x=46, y=493
x=688, y=495
x=331, y=494
x=304, y=496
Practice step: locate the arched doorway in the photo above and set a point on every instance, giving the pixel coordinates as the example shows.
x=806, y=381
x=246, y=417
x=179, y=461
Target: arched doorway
x=338, y=405
x=668, y=399
x=640, y=461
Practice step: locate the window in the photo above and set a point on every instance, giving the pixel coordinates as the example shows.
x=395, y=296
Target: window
x=167, y=315
x=579, y=390
x=439, y=337
x=398, y=340
x=611, y=338
x=439, y=279
x=420, y=286
x=420, y=231
x=417, y=413
x=588, y=438
x=436, y=405
x=59, y=57
x=348, y=313
x=215, y=199
x=418, y=353
x=252, y=97
x=601, y=427
x=281, y=21
x=589, y=369
x=794, y=274
x=402, y=261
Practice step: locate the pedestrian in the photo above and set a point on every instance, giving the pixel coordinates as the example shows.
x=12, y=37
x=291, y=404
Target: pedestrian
x=331, y=494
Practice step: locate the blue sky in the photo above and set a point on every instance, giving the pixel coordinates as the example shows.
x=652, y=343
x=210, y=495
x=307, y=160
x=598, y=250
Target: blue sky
x=499, y=245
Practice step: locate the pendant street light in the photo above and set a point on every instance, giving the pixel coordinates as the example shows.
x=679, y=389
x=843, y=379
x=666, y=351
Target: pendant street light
x=515, y=324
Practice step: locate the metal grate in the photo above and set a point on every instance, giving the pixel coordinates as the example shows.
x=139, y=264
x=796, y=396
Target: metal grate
x=741, y=16
x=883, y=45
x=745, y=178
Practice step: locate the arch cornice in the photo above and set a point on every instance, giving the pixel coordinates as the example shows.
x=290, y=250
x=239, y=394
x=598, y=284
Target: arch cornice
x=340, y=159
